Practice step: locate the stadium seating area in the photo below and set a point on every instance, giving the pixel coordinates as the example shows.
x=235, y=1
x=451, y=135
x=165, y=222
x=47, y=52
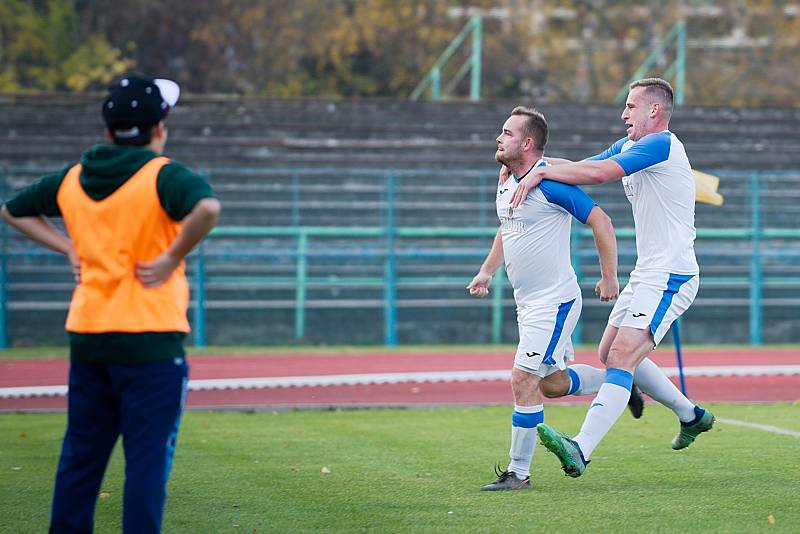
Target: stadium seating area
x=385, y=134
x=308, y=163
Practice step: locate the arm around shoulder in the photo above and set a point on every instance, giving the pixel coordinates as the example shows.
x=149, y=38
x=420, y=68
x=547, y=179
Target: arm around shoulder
x=557, y=161
x=586, y=172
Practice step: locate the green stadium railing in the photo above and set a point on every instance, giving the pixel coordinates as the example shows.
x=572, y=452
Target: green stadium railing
x=755, y=247
x=390, y=280
x=676, y=69
x=433, y=79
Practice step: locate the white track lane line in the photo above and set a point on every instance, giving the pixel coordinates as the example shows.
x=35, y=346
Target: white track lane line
x=398, y=378
x=765, y=428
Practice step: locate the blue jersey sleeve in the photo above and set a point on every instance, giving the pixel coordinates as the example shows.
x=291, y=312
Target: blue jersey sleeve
x=646, y=152
x=613, y=150
x=569, y=197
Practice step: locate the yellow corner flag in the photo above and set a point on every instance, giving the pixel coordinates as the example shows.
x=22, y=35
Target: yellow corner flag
x=706, y=186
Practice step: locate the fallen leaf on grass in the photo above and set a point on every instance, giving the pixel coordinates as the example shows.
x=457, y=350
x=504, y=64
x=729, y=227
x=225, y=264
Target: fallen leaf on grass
x=325, y=470
x=104, y=495
x=771, y=519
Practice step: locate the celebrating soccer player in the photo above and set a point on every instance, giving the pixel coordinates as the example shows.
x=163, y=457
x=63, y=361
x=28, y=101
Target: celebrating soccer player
x=659, y=184
x=534, y=242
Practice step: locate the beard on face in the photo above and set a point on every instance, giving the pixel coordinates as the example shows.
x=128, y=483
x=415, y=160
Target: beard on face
x=505, y=157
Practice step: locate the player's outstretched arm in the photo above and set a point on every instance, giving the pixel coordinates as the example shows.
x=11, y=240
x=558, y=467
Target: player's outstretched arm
x=606, y=242
x=196, y=225
x=39, y=229
x=586, y=172
x=479, y=286
x=557, y=161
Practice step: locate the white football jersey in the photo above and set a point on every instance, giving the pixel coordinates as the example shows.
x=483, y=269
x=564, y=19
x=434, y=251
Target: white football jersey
x=661, y=189
x=536, y=239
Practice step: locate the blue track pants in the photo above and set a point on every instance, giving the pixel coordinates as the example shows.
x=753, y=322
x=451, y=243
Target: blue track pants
x=141, y=402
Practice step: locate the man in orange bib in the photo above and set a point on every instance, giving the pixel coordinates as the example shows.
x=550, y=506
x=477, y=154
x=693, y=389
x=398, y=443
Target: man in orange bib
x=131, y=217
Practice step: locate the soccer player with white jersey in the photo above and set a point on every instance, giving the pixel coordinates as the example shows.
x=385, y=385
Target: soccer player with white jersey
x=658, y=182
x=534, y=243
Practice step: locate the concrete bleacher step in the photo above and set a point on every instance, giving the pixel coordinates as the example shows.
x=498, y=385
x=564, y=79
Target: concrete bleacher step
x=222, y=131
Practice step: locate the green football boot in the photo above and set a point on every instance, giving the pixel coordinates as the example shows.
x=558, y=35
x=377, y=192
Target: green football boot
x=690, y=431
x=566, y=450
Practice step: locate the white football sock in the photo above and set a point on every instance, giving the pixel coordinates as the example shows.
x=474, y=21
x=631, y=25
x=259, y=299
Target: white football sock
x=649, y=378
x=607, y=406
x=523, y=438
x=585, y=379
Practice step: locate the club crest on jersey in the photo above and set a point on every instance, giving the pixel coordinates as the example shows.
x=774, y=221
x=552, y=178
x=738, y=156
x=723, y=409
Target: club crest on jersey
x=510, y=212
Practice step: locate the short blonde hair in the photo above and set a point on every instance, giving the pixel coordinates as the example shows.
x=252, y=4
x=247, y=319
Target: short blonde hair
x=535, y=127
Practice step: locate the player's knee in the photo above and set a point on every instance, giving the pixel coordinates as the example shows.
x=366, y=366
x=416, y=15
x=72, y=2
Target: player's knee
x=523, y=384
x=518, y=384
x=620, y=355
x=629, y=348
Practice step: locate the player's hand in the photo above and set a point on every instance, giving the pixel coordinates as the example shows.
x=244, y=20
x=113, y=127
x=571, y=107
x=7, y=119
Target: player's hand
x=75, y=263
x=156, y=272
x=607, y=289
x=479, y=287
x=504, y=174
x=525, y=186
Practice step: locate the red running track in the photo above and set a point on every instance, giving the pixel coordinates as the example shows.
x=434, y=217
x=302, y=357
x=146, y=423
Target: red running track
x=16, y=373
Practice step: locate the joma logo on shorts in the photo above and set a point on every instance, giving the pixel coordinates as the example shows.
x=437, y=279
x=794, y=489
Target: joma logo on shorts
x=532, y=354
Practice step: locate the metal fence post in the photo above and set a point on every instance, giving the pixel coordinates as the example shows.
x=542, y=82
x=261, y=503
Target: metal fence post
x=3, y=267
x=200, y=297
x=497, y=305
x=436, y=83
x=680, y=64
x=477, y=46
x=482, y=202
x=301, y=284
x=756, y=274
x=295, y=199
x=390, y=269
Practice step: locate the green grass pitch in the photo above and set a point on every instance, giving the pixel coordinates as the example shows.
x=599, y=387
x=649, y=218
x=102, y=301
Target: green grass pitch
x=419, y=470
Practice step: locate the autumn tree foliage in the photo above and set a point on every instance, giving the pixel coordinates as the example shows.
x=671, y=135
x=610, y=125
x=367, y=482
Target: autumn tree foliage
x=741, y=52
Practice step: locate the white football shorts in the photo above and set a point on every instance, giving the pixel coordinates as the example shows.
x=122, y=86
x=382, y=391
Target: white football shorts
x=653, y=300
x=545, y=332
